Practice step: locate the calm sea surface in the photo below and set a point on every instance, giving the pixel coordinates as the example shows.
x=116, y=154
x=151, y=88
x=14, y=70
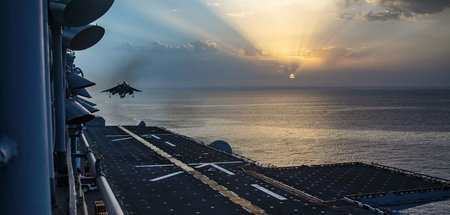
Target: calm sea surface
x=408, y=129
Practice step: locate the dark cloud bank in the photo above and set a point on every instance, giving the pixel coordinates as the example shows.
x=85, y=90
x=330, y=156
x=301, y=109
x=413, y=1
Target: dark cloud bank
x=396, y=9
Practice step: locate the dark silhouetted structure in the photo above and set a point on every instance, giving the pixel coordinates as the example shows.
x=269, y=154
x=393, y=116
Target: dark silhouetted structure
x=122, y=89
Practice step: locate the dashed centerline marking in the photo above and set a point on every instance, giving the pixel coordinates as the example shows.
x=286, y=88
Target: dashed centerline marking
x=229, y=194
x=269, y=192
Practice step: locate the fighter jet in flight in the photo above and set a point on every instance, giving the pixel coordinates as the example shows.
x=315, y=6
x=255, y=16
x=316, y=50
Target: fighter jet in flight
x=122, y=89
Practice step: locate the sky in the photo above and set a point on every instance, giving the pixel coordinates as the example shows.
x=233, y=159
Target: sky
x=261, y=43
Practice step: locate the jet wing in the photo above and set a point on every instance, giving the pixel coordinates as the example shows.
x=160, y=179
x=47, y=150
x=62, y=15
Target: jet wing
x=133, y=89
x=111, y=90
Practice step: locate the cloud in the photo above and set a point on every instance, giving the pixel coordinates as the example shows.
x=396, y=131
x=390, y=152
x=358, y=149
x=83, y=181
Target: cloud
x=249, y=51
x=159, y=47
x=395, y=9
x=126, y=46
x=240, y=14
x=204, y=46
x=335, y=54
x=347, y=3
x=380, y=16
x=215, y=4
x=343, y=16
x=415, y=6
x=289, y=68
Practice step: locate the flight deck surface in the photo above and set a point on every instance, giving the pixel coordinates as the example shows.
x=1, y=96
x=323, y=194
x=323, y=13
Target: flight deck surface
x=152, y=170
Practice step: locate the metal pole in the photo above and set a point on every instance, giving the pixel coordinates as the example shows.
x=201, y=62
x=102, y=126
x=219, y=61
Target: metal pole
x=60, y=95
x=111, y=204
x=23, y=108
x=48, y=99
x=73, y=149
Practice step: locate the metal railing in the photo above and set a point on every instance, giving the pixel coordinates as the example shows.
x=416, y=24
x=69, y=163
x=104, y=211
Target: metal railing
x=411, y=173
x=81, y=196
x=111, y=203
x=71, y=178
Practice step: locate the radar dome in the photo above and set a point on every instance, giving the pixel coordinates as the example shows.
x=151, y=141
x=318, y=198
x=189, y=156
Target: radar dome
x=141, y=124
x=221, y=145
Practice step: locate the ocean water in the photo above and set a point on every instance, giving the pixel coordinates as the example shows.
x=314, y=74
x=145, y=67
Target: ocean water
x=407, y=129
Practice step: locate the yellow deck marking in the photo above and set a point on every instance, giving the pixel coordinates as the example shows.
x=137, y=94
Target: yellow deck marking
x=221, y=189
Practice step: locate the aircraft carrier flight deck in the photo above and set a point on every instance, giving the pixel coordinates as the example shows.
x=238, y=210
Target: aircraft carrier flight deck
x=154, y=171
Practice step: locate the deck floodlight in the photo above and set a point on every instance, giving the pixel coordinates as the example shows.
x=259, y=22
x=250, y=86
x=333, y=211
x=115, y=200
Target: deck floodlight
x=76, y=82
x=82, y=92
x=78, y=99
x=70, y=58
x=78, y=12
x=80, y=38
x=76, y=113
x=87, y=106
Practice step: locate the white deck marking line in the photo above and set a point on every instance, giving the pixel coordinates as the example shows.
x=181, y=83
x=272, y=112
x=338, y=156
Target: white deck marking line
x=156, y=165
x=125, y=138
x=170, y=144
x=221, y=169
x=230, y=195
x=283, y=186
x=117, y=135
x=156, y=137
x=167, y=176
x=219, y=162
x=147, y=135
x=269, y=192
x=198, y=165
x=202, y=165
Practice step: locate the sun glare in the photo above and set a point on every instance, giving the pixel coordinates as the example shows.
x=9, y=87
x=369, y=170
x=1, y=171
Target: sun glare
x=281, y=28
